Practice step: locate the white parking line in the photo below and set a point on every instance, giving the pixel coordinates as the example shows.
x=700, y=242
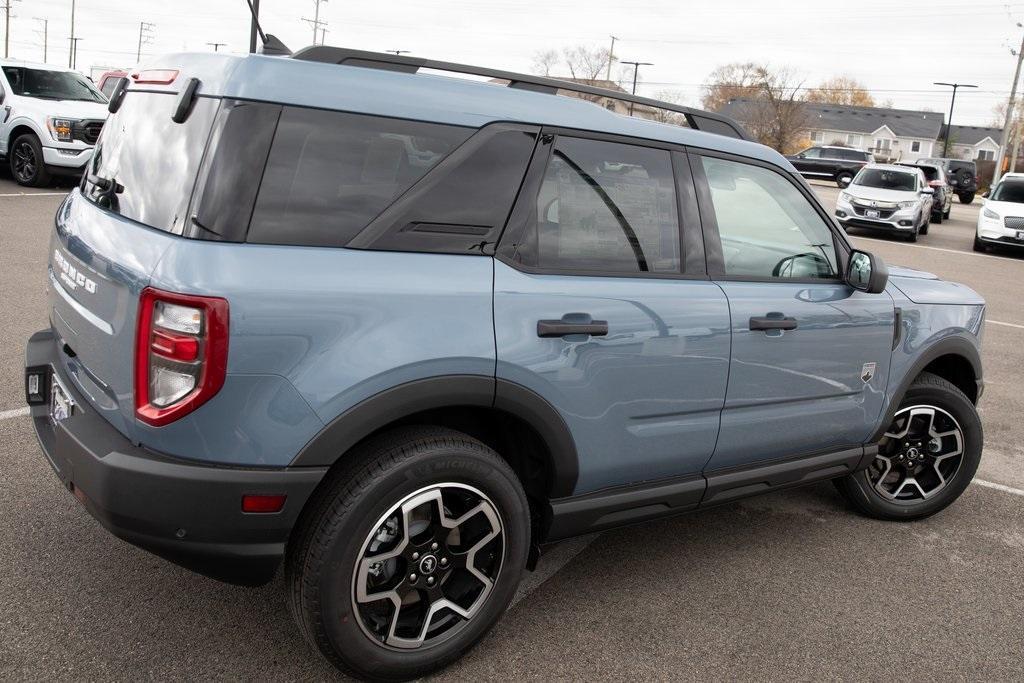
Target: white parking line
x=951, y=251
x=999, y=487
x=17, y=412
x=32, y=194
x=997, y=322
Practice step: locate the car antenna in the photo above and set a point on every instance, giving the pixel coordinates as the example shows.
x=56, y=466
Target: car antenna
x=271, y=44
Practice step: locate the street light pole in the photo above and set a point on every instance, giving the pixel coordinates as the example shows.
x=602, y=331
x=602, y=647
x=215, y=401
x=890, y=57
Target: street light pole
x=636, y=69
x=1009, y=118
x=952, y=102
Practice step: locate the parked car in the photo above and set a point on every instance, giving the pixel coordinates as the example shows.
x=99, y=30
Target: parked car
x=1001, y=220
x=942, y=204
x=887, y=197
x=838, y=164
x=961, y=174
x=373, y=328
x=108, y=81
x=50, y=118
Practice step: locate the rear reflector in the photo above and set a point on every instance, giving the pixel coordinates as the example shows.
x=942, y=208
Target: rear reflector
x=263, y=503
x=155, y=76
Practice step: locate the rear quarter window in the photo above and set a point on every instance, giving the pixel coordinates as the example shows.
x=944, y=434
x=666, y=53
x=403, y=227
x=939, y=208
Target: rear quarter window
x=330, y=173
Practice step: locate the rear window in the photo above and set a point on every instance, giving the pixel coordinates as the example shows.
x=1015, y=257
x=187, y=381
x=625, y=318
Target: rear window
x=330, y=173
x=144, y=165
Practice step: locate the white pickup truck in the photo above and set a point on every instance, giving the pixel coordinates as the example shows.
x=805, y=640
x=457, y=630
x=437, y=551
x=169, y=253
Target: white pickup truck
x=50, y=119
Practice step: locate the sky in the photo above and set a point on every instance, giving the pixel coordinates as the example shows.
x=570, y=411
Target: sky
x=896, y=48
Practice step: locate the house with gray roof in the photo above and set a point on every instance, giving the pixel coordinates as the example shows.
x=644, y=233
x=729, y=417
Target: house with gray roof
x=889, y=134
x=973, y=142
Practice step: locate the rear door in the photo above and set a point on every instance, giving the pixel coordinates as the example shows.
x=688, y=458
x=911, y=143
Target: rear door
x=602, y=306
x=810, y=355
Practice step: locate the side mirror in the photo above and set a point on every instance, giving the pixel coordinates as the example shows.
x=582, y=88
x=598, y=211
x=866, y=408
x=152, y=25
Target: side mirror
x=801, y=155
x=866, y=272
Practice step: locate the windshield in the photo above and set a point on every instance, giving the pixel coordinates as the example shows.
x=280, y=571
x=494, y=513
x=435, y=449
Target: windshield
x=886, y=179
x=1009, y=192
x=51, y=85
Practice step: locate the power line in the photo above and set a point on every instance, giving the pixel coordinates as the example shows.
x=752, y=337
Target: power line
x=316, y=22
x=216, y=46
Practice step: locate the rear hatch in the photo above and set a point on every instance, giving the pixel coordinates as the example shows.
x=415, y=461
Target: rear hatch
x=111, y=233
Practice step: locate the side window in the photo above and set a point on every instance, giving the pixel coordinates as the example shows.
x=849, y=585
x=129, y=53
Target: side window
x=330, y=173
x=605, y=207
x=832, y=153
x=812, y=153
x=767, y=227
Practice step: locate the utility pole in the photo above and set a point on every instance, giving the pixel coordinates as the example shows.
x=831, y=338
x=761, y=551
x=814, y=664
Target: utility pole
x=145, y=37
x=46, y=24
x=216, y=46
x=952, y=103
x=71, y=43
x=252, y=25
x=323, y=36
x=611, y=58
x=315, y=21
x=6, y=7
x=1009, y=116
x=74, y=52
x=636, y=68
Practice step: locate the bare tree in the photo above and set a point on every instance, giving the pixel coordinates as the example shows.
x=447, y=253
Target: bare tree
x=664, y=115
x=586, y=63
x=545, y=61
x=841, y=90
x=772, y=112
x=729, y=82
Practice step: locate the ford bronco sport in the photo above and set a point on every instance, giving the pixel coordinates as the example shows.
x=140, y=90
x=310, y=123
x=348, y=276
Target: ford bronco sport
x=397, y=331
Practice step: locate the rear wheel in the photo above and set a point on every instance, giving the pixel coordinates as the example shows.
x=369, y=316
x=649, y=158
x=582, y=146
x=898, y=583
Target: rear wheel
x=844, y=179
x=966, y=197
x=927, y=457
x=26, y=159
x=937, y=218
x=411, y=555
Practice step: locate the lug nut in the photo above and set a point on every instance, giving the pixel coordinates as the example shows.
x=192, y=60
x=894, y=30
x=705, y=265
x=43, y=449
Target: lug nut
x=415, y=556
x=430, y=580
x=433, y=546
x=412, y=578
x=444, y=561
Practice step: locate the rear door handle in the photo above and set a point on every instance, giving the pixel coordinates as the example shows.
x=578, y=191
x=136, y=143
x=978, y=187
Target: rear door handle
x=773, y=321
x=561, y=328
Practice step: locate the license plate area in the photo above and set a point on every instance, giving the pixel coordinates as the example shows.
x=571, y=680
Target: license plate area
x=871, y=213
x=62, y=406
x=1020, y=235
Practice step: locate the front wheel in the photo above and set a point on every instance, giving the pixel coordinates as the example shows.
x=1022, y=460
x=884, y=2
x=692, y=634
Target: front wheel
x=927, y=457
x=979, y=245
x=844, y=179
x=26, y=159
x=410, y=555
x=966, y=197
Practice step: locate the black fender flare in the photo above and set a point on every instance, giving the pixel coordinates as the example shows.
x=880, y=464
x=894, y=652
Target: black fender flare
x=449, y=391
x=950, y=346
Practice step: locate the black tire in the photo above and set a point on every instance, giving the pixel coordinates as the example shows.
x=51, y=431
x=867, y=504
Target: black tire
x=26, y=161
x=340, y=524
x=937, y=218
x=979, y=245
x=844, y=179
x=945, y=214
x=927, y=390
x=912, y=235
x=966, y=197
x=927, y=224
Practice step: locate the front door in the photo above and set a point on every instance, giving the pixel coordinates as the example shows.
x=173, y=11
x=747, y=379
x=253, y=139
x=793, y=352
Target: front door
x=601, y=311
x=810, y=355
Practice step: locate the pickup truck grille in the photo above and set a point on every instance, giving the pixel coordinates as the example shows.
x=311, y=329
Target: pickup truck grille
x=1014, y=222
x=87, y=131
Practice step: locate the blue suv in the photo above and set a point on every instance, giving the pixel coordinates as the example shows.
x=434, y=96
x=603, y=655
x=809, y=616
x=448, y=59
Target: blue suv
x=396, y=331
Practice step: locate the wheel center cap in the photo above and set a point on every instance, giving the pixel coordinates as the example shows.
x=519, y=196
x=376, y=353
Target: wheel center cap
x=427, y=565
x=912, y=453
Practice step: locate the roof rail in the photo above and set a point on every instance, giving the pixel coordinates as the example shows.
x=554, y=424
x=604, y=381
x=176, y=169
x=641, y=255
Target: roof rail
x=696, y=118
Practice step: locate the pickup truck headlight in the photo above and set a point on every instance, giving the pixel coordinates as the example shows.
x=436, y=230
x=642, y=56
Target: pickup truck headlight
x=989, y=213
x=60, y=129
x=908, y=205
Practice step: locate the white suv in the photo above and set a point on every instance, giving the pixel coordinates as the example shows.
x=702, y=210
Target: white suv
x=50, y=119
x=886, y=197
x=1001, y=219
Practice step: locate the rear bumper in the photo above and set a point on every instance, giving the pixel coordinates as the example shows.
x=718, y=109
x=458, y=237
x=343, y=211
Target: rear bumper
x=189, y=514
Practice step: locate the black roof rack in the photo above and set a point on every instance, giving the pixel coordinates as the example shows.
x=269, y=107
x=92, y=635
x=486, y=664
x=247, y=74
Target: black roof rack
x=696, y=118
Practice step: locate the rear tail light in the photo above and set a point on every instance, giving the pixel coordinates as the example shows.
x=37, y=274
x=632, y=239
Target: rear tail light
x=181, y=354
x=155, y=76
x=935, y=183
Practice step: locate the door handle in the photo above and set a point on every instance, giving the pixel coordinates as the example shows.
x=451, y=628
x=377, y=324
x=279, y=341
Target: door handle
x=773, y=321
x=561, y=328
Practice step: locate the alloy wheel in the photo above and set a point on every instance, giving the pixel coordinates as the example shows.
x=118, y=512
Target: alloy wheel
x=919, y=455
x=428, y=566
x=25, y=162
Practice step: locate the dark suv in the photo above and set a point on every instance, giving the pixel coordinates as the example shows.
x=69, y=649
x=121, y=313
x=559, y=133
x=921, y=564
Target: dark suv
x=838, y=164
x=962, y=176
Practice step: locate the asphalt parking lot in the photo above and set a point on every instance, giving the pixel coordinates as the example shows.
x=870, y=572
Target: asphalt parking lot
x=790, y=586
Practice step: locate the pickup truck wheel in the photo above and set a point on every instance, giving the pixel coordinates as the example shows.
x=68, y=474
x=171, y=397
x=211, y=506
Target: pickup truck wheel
x=26, y=159
x=410, y=555
x=844, y=179
x=966, y=197
x=926, y=459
